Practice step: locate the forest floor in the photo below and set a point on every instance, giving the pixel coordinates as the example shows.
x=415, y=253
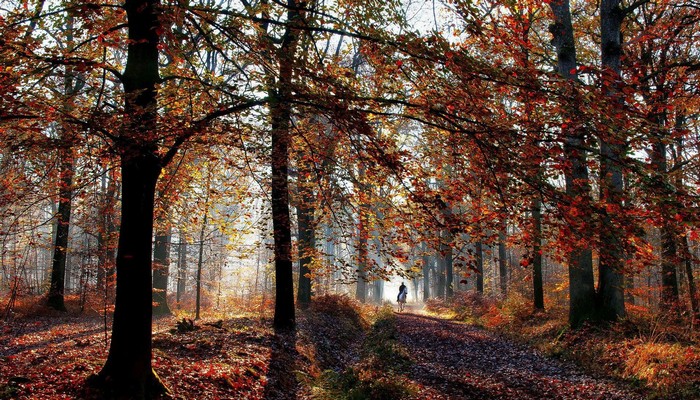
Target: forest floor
x=335, y=354
x=459, y=361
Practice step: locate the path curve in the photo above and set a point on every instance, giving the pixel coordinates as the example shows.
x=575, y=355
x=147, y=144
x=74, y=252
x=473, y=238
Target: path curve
x=458, y=361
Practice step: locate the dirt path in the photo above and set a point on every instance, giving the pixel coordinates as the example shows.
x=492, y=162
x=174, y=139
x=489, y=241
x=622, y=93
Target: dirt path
x=457, y=361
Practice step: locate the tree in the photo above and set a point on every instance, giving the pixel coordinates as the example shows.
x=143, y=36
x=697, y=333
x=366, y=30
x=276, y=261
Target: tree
x=611, y=300
x=128, y=367
x=663, y=62
x=280, y=103
x=537, y=281
x=71, y=87
x=202, y=236
x=427, y=263
x=127, y=371
x=161, y=270
x=581, y=286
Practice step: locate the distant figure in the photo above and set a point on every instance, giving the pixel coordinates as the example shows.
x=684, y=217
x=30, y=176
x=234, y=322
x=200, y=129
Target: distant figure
x=401, y=298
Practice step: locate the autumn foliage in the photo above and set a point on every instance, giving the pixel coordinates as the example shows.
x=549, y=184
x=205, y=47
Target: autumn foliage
x=166, y=158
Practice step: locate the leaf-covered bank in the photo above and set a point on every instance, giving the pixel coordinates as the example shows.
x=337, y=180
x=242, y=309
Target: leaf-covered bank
x=657, y=355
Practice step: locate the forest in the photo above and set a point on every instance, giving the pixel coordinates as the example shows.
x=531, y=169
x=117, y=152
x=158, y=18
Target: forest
x=218, y=199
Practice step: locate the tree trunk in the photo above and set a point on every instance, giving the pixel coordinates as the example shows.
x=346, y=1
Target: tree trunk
x=55, y=298
x=362, y=252
x=502, y=269
x=161, y=271
x=479, y=250
x=377, y=283
x=60, y=250
x=200, y=258
x=128, y=366
x=537, y=280
x=611, y=299
x=669, y=275
x=692, y=289
x=427, y=261
x=280, y=114
x=581, y=285
x=127, y=371
x=683, y=240
x=377, y=291
x=181, y=268
x=446, y=262
x=440, y=271
x=668, y=230
x=307, y=235
x=106, y=238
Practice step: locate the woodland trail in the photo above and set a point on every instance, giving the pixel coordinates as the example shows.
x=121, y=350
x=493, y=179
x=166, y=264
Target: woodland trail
x=459, y=361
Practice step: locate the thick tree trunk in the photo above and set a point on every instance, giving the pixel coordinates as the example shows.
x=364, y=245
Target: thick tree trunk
x=128, y=366
x=581, y=285
x=537, y=280
x=161, y=271
x=127, y=371
x=611, y=299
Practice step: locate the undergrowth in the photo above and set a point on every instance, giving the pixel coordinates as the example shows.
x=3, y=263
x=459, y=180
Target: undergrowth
x=655, y=353
x=372, y=369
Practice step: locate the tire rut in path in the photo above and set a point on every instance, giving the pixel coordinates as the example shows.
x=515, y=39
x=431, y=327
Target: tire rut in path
x=458, y=361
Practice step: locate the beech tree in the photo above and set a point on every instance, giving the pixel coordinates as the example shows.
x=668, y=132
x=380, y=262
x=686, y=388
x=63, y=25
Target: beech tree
x=581, y=286
x=611, y=301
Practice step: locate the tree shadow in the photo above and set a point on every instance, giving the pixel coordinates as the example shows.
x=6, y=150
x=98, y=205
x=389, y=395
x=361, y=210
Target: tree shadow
x=282, y=383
